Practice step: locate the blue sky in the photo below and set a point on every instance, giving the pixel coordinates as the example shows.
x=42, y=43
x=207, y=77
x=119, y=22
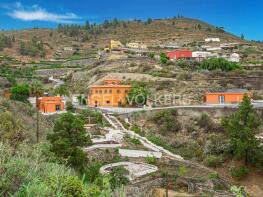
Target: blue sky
x=237, y=16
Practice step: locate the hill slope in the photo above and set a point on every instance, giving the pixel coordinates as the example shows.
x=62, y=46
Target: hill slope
x=180, y=31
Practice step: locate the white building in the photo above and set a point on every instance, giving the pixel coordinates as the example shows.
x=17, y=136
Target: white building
x=212, y=40
x=234, y=57
x=136, y=45
x=214, y=49
x=201, y=54
x=68, y=48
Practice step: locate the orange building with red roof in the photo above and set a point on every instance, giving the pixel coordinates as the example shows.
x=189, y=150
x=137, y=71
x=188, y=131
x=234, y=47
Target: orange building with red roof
x=50, y=104
x=110, y=94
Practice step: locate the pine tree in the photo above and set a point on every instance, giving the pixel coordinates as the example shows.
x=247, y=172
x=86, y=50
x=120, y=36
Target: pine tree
x=241, y=128
x=68, y=138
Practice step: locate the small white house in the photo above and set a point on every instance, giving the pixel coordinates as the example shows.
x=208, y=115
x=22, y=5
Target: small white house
x=201, y=54
x=214, y=49
x=212, y=40
x=234, y=57
x=68, y=48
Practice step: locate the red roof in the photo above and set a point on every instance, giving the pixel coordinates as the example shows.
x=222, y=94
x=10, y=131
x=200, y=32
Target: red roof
x=178, y=54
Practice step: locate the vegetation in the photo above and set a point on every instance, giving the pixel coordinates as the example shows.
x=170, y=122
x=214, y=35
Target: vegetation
x=151, y=160
x=68, y=138
x=20, y=92
x=219, y=63
x=138, y=95
x=61, y=90
x=6, y=41
x=164, y=58
x=33, y=48
x=241, y=128
x=28, y=171
x=70, y=107
x=93, y=117
x=118, y=177
x=239, y=172
x=166, y=121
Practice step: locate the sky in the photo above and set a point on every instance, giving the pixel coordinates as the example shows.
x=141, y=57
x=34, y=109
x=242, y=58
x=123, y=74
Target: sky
x=236, y=16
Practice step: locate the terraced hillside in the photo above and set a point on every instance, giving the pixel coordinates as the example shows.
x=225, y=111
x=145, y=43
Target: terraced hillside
x=153, y=33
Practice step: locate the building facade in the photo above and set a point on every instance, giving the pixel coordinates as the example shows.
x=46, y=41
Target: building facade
x=180, y=54
x=226, y=97
x=136, y=45
x=110, y=94
x=50, y=104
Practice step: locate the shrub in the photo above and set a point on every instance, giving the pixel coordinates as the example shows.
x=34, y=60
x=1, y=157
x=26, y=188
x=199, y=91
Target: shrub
x=20, y=92
x=70, y=107
x=216, y=144
x=166, y=121
x=136, y=129
x=118, y=177
x=219, y=63
x=164, y=58
x=213, y=161
x=239, y=173
x=206, y=122
x=213, y=175
x=151, y=160
x=135, y=141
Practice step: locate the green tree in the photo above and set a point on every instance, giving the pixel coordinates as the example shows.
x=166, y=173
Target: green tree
x=241, y=128
x=61, y=90
x=20, y=92
x=68, y=139
x=70, y=107
x=164, y=58
x=138, y=95
x=37, y=90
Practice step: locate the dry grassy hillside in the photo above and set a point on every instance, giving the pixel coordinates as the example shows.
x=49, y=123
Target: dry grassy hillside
x=180, y=31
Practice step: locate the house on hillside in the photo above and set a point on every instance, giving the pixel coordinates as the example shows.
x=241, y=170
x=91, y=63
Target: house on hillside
x=201, y=55
x=230, y=96
x=111, y=94
x=50, y=104
x=179, y=54
x=116, y=45
x=212, y=40
x=136, y=45
x=234, y=57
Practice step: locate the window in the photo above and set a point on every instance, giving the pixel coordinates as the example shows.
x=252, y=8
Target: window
x=57, y=107
x=97, y=91
x=100, y=91
x=118, y=91
x=108, y=102
x=105, y=91
x=90, y=92
x=110, y=91
x=126, y=91
x=221, y=99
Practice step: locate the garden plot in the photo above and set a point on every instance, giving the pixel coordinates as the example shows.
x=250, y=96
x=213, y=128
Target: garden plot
x=136, y=170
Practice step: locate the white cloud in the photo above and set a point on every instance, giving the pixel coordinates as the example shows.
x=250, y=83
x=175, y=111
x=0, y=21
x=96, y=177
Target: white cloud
x=36, y=13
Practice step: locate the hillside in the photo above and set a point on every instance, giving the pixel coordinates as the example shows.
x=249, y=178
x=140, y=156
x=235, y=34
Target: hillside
x=180, y=31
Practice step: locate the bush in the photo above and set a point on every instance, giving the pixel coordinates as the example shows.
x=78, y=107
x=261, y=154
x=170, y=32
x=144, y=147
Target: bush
x=151, y=160
x=135, y=141
x=213, y=161
x=136, y=129
x=164, y=58
x=166, y=121
x=118, y=177
x=239, y=173
x=206, y=122
x=20, y=92
x=219, y=63
x=216, y=144
x=70, y=107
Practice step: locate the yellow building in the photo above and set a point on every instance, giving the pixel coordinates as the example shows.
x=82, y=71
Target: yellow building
x=110, y=94
x=116, y=45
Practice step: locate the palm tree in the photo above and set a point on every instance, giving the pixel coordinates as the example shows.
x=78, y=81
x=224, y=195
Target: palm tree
x=36, y=89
